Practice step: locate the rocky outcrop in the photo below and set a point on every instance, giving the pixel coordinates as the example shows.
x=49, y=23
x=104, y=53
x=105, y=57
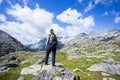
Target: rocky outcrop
x=47, y=72
x=107, y=66
x=9, y=63
x=33, y=69
x=56, y=73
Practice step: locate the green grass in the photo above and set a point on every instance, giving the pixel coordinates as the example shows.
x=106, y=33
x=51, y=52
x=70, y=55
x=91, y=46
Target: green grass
x=81, y=63
x=61, y=56
x=84, y=63
x=58, y=74
x=14, y=73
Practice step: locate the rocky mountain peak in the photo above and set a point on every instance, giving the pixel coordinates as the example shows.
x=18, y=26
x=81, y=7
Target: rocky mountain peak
x=9, y=44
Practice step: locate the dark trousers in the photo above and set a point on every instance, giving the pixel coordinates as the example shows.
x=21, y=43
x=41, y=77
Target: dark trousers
x=49, y=50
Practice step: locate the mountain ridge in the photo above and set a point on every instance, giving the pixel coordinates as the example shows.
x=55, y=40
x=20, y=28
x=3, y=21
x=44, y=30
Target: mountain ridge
x=82, y=40
x=10, y=44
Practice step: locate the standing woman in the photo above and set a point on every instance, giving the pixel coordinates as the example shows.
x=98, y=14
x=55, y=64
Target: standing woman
x=51, y=45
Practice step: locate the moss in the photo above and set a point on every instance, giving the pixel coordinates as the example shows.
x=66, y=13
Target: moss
x=28, y=76
x=57, y=74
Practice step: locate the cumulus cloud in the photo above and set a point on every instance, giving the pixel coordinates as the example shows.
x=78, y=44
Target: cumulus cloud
x=69, y=16
x=2, y=17
x=77, y=24
x=30, y=25
x=117, y=19
x=59, y=31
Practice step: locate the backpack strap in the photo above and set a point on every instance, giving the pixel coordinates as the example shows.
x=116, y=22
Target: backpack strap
x=49, y=38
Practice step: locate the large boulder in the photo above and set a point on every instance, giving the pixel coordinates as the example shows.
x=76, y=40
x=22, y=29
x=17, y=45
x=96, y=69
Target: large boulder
x=55, y=73
x=107, y=66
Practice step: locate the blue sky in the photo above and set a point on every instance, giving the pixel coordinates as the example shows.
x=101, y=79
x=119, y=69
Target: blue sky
x=30, y=20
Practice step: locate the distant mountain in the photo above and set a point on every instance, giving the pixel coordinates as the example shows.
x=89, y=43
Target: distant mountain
x=39, y=46
x=86, y=42
x=9, y=44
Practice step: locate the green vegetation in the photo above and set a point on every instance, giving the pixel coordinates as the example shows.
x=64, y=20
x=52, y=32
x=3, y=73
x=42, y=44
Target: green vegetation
x=14, y=73
x=61, y=56
x=81, y=63
x=58, y=74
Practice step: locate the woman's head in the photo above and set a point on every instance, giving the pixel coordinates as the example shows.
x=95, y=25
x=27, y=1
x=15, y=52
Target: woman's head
x=51, y=31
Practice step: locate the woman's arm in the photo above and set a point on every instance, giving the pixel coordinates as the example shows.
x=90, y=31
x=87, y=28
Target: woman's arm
x=47, y=41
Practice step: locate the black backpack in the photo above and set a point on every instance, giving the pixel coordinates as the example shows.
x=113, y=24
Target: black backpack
x=54, y=41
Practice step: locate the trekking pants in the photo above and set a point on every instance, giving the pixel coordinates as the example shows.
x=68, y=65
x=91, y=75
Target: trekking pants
x=48, y=51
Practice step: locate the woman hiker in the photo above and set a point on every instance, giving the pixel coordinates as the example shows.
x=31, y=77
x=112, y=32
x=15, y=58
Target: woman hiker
x=51, y=46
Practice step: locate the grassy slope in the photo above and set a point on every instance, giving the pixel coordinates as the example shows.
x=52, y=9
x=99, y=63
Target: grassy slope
x=14, y=73
x=81, y=63
x=84, y=63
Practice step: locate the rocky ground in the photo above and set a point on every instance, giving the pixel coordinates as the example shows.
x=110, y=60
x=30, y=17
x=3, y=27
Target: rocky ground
x=30, y=66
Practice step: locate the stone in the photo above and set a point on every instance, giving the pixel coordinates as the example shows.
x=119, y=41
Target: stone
x=33, y=69
x=40, y=61
x=3, y=68
x=105, y=74
x=109, y=79
x=11, y=65
x=107, y=66
x=21, y=78
x=76, y=69
x=23, y=62
x=6, y=67
x=55, y=73
x=12, y=58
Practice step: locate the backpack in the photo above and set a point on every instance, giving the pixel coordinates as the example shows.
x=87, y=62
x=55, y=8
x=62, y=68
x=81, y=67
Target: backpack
x=54, y=41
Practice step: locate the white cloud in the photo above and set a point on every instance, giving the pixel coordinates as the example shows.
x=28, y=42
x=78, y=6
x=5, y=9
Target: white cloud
x=59, y=31
x=97, y=1
x=69, y=16
x=77, y=24
x=25, y=2
x=33, y=24
x=80, y=1
x=30, y=24
x=89, y=7
x=0, y=1
x=117, y=19
x=105, y=13
x=2, y=17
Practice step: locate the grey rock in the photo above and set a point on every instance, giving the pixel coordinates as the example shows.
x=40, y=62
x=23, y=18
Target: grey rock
x=12, y=58
x=2, y=67
x=9, y=44
x=11, y=65
x=6, y=67
x=21, y=78
x=107, y=66
x=56, y=73
x=40, y=61
x=33, y=69
x=109, y=79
